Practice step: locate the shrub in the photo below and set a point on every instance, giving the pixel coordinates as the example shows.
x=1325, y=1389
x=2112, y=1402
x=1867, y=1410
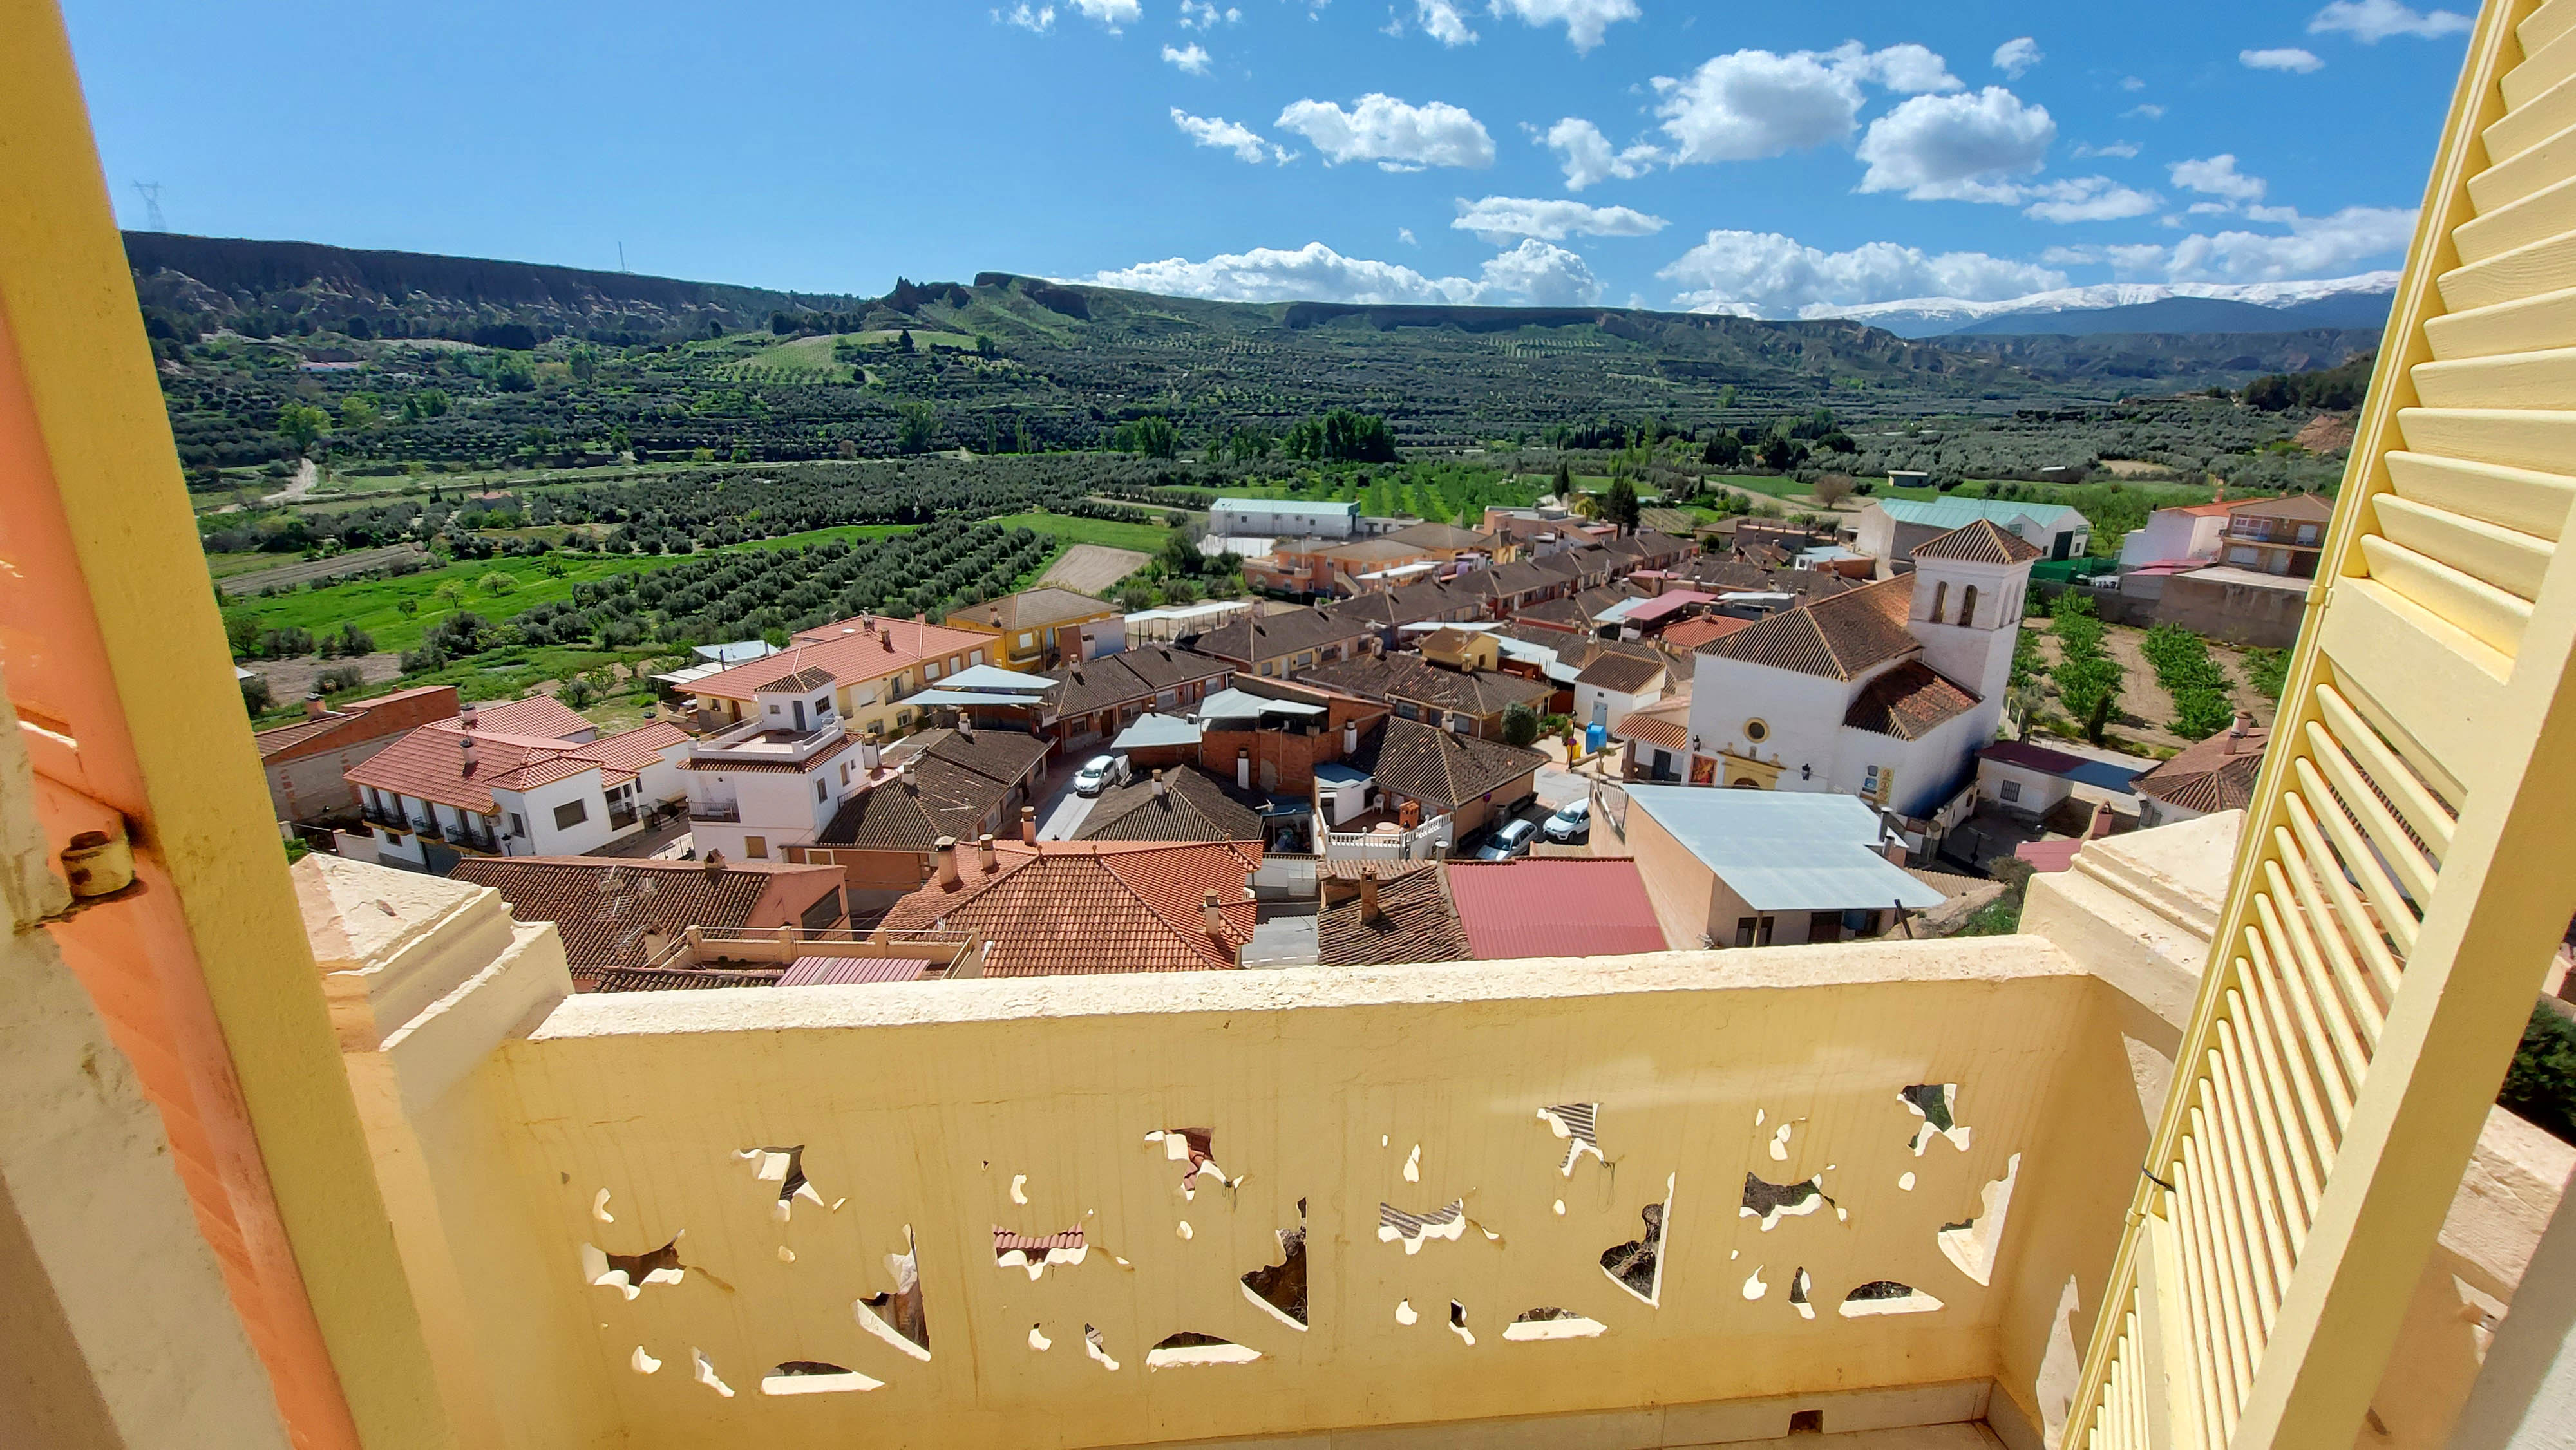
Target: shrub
x=1520, y=725
x=284, y=644
x=255, y=694
x=2541, y=1083
x=339, y=678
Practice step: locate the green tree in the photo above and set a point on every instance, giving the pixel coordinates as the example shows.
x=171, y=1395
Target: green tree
x=1153, y=435
x=301, y=424
x=1620, y=506
x=497, y=582
x=1180, y=557
x=1520, y=726
x=358, y=413
x=255, y=694
x=241, y=631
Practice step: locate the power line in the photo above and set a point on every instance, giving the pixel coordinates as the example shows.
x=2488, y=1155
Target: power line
x=151, y=194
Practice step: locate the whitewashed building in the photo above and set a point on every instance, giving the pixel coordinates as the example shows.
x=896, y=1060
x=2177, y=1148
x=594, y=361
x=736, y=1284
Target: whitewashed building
x=526, y=778
x=776, y=779
x=1274, y=518
x=1885, y=692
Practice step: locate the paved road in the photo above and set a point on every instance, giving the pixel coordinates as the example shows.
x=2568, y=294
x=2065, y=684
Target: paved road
x=1060, y=811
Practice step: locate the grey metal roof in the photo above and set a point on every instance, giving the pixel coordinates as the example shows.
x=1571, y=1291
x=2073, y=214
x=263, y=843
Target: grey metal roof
x=1238, y=704
x=969, y=697
x=1152, y=730
x=1785, y=850
x=739, y=652
x=994, y=677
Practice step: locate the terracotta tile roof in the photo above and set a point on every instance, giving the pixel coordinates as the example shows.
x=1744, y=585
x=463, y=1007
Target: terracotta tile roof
x=1691, y=634
x=1739, y=576
x=1249, y=641
x=1415, y=923
x=429, y=763
x=1555, y=906
x=2216, y=774
x=864, y=647
x=1980, y=543
x=1839, y=637
x=1563, y=614
x=540, y=715
x=1128, y=677
x=1442, y=536
x=1191, y=806
x=1033, y=609
x=948, y=786
x=603, y=907
x=1907, y=702
x=809, y=678
x=677, y=979
x=1411, y=677
x=1441, y=767
x=1623, y=673
x=1666, y=724
x=1362, y=554
x=358, y=720
x=1063, y=908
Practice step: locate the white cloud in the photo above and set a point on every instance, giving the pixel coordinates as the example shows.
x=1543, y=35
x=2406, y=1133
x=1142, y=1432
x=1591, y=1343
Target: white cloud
x=1542, y=275
x=2015, y=56
x=1764, y=274
x=1203, y=15
x=2316, y=246
x=2148, y=112
x=2372, y=21
x=2088, y=199
x=1115, y=14
x=1498, y=219
x=1752, y=104
x=1038, y=21
x=2132, y=83
x=1395, y=135
x=1193, y=60
x=2289, y=58
x=1533, y=272
x=1406, y=236
x=1588, y=157
x=2128, y=263
x=1585, y=21
x=2122, y=149
x=2217, y=176
x=1247, y=144
x=1442, y=21
x=1957, y=148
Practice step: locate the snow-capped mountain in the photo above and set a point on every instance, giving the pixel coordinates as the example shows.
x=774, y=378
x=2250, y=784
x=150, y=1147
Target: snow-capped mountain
x=2360, y=301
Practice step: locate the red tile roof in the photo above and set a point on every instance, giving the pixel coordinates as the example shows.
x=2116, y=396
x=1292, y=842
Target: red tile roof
x=538, y=715
x=1980, y=542
x=1907, y=702
x=1840, y=636
x=1666, y=724
x=1707, y=629
x=1065, y=908
x=1416, y=922
x=356, y=721
x=603, y=907
x=429, y=763
x=1555, y=906
x=861, y=648
x=2212, y=775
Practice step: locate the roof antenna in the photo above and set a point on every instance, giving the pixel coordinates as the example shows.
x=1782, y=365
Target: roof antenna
x=150, y=191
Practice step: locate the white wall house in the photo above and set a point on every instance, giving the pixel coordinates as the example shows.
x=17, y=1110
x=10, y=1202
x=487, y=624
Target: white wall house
x=1615, y=685
x=1891, y=529
x=776, y=779
x=2192, y=532
x=454, y=789
x=1884, y=692
x=1279, y=518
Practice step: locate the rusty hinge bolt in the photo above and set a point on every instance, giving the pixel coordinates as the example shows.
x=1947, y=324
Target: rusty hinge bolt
x=98, y=863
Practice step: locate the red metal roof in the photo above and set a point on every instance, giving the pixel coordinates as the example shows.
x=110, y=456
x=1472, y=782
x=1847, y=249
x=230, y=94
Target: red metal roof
x=841, y=971
x=1555, y=906
x=2047, y=855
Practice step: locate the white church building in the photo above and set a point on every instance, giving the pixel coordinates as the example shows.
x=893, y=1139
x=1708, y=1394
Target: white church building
x=1885, y=692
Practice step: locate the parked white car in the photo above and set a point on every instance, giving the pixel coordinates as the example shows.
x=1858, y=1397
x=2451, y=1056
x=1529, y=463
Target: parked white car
x=1099, y=773
x=1571, y=823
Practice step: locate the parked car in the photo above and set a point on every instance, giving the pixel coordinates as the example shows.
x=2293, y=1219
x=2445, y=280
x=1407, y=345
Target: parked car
x=1570, y=824
x=1512, y=838
x=1099, y=773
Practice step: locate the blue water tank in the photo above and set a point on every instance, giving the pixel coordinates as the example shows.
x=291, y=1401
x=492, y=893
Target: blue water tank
x=1595, y=735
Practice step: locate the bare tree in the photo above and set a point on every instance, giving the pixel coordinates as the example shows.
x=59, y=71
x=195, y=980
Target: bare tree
x=1831, y=489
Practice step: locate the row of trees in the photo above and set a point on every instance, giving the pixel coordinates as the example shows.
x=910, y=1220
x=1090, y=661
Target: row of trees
x=2203, y=704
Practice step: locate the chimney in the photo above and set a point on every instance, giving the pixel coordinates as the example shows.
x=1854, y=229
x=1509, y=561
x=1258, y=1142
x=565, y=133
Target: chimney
x=1242, y=769
x=654, y=944
x=965, y=726
x=868, y=755
x=1214, y=914
x=714, y=865
x=1160, y=789
x=887, y=639
x=465, y=716
x=313, y=707
x=946, y=850
x=1370, y=915
x=2236, y=736
x=1028, y=825
x=1350, y=737
x=465, y=752
x=2101, y=825
x=984, y=853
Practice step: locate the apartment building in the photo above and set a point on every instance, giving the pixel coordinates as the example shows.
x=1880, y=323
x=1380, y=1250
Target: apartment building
x=1039, y=629
x=308, y=763
x=526, y=778
x=875, y=662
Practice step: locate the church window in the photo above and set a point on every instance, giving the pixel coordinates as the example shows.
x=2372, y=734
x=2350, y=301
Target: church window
x=1968, y=605
x=1756, y=731
x=1940, y=599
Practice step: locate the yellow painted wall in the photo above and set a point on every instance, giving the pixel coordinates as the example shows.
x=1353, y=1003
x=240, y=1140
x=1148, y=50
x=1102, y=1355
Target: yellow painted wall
x=925, y=1108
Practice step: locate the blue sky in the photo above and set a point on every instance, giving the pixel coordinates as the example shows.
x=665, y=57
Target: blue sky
x=1757, y=158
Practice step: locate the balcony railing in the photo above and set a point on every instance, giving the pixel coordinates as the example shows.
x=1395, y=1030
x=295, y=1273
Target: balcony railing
x=724, y=812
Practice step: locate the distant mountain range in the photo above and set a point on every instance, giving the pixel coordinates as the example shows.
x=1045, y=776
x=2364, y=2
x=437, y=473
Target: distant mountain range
x=2140, y=307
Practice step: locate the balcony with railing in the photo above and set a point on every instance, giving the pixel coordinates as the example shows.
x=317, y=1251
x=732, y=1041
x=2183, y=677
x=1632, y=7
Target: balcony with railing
x=755, y=741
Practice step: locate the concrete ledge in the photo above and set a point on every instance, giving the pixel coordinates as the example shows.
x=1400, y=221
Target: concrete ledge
x=898, y=1004
x=1886, y=1416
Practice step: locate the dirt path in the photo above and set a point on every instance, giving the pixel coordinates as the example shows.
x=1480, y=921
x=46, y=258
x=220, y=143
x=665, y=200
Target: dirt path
x=291, y=680
x=1092, y=568
x=306, y=476
x=287, y=576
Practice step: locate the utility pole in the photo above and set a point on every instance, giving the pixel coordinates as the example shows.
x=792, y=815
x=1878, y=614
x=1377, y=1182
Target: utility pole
x=621, y=257
x=151, y=194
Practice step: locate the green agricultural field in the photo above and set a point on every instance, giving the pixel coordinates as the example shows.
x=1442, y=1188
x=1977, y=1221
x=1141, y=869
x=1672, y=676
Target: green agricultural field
x=1441, y=492
x=375, y=605
x=811, y=356
x=1144, y=538
x=1763, y=483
